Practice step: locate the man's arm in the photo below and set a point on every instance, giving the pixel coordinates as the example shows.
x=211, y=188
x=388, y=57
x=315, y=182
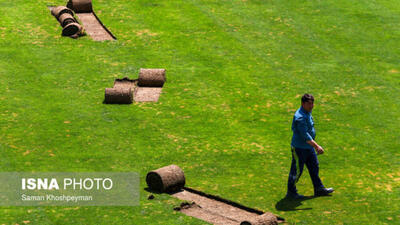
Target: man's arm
x=318, y=148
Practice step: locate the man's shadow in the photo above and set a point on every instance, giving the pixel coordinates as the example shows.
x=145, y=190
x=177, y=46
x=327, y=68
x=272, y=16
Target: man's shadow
x=290, y=204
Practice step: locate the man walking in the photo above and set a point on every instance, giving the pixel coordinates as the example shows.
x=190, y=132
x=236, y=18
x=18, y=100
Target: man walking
x=304, y=150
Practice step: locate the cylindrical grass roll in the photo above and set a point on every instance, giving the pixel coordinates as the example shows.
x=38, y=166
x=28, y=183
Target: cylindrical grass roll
x=80, y=6
x=166, y=179
x=118, y=96
x=59, y=10
x=151, y=77
x=66, y=19
x=71, y=29
x=264, y=219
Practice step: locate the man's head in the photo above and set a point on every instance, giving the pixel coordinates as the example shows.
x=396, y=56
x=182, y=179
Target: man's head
x=307, y=102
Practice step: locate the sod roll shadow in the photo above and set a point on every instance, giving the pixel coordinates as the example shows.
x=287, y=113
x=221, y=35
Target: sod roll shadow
x=166, y=179
x=118, y=96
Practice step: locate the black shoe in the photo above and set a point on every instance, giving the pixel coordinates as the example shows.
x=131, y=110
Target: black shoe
x=291, y=195
x=323, y=191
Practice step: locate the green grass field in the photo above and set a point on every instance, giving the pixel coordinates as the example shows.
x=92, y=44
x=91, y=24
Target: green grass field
x=235, y=72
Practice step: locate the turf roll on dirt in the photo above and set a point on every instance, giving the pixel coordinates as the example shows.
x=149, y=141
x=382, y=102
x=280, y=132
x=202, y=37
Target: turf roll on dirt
x=166, y=179
x=80, y=6
x=66, y=19
x=151, y=77
x=59, y=10
x=118, y=96
x=71, y=29
x=264, y=219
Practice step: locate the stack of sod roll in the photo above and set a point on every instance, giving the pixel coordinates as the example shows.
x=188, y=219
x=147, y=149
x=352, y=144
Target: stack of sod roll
x=70, y=25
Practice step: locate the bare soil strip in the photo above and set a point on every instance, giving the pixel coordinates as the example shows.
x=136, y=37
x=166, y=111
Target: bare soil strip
x=125, y=83
x=194, y=210
x=94, y=27
x=147, y=94
x=214, y=209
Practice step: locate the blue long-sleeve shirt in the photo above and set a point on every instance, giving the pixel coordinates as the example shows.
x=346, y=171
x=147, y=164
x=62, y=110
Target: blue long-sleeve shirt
x=303, y=129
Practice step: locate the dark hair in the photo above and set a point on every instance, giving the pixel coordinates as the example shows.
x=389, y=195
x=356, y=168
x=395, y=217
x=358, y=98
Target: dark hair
x=307, y=97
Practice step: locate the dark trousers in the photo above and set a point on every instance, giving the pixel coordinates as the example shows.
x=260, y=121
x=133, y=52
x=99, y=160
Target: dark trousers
x=299, y=158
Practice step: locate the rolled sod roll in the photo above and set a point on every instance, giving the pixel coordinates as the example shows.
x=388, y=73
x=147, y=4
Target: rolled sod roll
x=118, y=96
x=151, y=77
x=59, y=10
x=80, y=6
x=264, y=219
x=166, y=179
x=66, y=19
x=71, y=29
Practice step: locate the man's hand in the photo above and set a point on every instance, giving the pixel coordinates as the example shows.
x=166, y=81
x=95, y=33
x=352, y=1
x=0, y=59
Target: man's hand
x=319, y=150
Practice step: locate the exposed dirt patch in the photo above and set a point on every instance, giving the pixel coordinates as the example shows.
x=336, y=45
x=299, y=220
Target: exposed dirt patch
x=94, y=27
x=147, y=94
x=125, y=83
x=195, y=210
x=216, y=210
